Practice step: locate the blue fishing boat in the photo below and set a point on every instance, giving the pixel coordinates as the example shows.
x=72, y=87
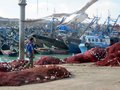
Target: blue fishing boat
x=91, y=41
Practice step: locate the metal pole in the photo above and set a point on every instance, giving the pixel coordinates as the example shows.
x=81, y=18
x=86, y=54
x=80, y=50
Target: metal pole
x=22, y=4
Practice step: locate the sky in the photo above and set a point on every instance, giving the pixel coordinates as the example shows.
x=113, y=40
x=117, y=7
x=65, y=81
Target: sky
x=102, y=8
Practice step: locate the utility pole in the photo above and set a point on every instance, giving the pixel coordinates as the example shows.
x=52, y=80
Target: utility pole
x=22, y=4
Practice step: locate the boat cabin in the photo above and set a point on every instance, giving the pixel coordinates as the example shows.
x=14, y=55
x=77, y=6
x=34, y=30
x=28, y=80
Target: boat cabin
x=100, y=41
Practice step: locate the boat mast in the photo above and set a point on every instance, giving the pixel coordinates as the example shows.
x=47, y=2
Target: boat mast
x=22, y=4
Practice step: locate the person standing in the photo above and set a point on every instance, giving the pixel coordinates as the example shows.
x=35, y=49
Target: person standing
x=30, y=52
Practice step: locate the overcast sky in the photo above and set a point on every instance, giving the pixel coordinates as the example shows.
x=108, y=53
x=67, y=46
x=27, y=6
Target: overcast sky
x=10, y=8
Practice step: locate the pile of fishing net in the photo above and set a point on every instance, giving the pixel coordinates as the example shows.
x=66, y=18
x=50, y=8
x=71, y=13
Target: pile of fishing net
x=44, y=60
x=12, y=66
x=20, y=64
x=92, y=55
x=113, y=56
x=5, y=67
x=33, y=75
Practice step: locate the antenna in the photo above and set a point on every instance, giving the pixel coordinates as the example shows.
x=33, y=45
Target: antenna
x=97, y=12
x=37, y=7
x=54, y=11
x=47, y=5
x=109, y=13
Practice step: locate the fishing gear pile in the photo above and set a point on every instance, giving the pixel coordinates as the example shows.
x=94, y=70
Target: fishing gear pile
x=113, y=56
x=92, y=55
x=37, y=74
x=45, y=60
x=15, y=74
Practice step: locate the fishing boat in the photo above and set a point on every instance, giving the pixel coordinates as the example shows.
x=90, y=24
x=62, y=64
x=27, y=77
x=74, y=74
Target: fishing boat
x=94, y=41
x=71, y=46
x=5, y=49
x=44, y=51
x=95, y=37
x=50, y=41
x=59, y=51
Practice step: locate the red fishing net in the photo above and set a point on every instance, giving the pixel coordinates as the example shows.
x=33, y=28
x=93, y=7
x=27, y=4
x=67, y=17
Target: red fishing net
x=47, y=60
x=113, y=56
x=33, y=75
x=5, y=67
x=12, y=66
x=73, y=59
x=93, y=55
x=18, y=64
x=114, y=48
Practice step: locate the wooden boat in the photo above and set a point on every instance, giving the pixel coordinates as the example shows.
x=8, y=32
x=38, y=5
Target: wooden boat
x=59, y=51
x=51, y=42
x=5, y=49
x=71, y=46
x=44, y=51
